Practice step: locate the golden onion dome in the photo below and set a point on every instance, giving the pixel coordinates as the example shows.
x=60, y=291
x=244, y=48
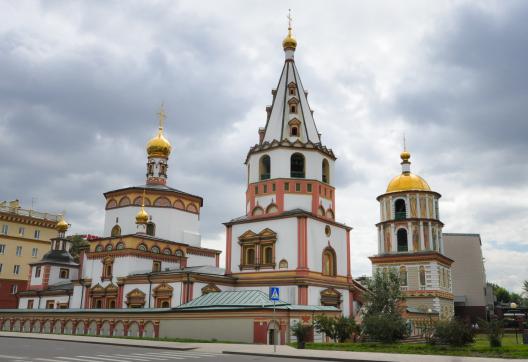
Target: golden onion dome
x=289, y=42
x=142, y=216
x=408, y=182
x=62, y=226
x=159, y=146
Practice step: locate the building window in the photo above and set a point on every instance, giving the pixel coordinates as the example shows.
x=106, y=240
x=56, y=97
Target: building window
x=326, y=171
x=37, y=271
x=108, y=264
x=142, y=247
x=309, y=187
x=403, y=276
x=64, y=273
x=294, y=132
x=155, y=249
x=267, y=254
x=163, y=295
x=109, y=247
x=151, y=228
x=400, y=210
x=249, y=255
x=5, y=229
x=298, y=187
x=422, y=276
x=293, y=108
x=256, y=189
x=273, y=187
x=331, y=297
x=18, y=251
x=50, y=304
x=99, y=248
x=135, y=299
x=16, y=269
x=156, y=266
x=265, y=167
x=2, y=249
x=14, y=288
x=283, y=264
x=30, y=304
x=120, y=246
x=286, y=186
x=1, y=267
x=329, y=262
x=34, y=252
x=297, y=165
x=257, y=211
x=116, y=231
x=264, y=242
x=401, y=236
x=37, y=234
x=265, y=188
x=21, y=231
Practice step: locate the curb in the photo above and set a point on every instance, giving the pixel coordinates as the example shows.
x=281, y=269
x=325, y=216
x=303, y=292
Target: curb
x=102, y=342
x=313, y=358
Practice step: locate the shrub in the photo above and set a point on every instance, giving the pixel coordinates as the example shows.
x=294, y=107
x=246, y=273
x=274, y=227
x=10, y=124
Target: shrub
x=339, y=329
x=386, y=328
x=301, y=331
x=453, y=333
x=494, y=330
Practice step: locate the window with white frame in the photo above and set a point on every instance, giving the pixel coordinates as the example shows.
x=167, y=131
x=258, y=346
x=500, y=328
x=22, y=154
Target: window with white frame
x=37, y=234
x=16, y=269
x=18, y=251
x=1, y=267
x=5, y=229
x=2, y=248
x=34, y=252
x=14, y=288
x=21, y=231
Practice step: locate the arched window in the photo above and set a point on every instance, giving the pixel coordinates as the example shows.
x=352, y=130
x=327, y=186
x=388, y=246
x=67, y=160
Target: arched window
x=257, y=211
x=297, y=165
x=268, y=255
x=400, y=210
x=272, y=208
x=250, y=256
x=294, y=131
x=167, y=251
x=403, y=276
x=330, y=214
x=329, y=262
x=178, y=253
x=120, y=246
x=142, y=247
x=155, y=250
x=116, y=231
x=283, y=264
x=422, y=276
x=264, y=167
x=326, y=171
x=320, y=211
x=109, y=247
x=151, y=229
x=401, y=236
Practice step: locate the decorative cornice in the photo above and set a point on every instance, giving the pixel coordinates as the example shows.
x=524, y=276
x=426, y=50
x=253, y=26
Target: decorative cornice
x=266, y=146
x=410, y=257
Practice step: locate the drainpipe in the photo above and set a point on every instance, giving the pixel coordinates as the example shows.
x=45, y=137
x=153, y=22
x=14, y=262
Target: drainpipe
x=150, y=289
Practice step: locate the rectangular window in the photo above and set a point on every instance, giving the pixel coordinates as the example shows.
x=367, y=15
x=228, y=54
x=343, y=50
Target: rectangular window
x=37, y=234
x=16, y=269
x=256, y=190
x=298, y=187
x=50, y=304
x=2, y=248
x=286, y=186
x=273, y=187
x=14, y=289
x=37, y=272
x=5, y=229
x=309, y=187
x=64, y=273
x=21, y=231
x=156, y=266
x=1, y=266
x=34, y=252
x=19, y=251
x=30, y=304
x=265, y=188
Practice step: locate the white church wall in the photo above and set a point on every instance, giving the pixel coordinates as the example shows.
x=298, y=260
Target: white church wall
x=318, y=241
x=292, y=201
x=36, y=280
x=54, y=276
x=171, y=224
x=199, y=260
x=285, y=247
x=76, y=298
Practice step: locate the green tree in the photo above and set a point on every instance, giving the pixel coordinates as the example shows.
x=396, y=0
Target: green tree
x=494, y=330
x=382, y=319
x=78, y=243
x=337, y=328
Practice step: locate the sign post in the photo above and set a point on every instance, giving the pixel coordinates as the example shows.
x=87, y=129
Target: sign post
x=274, y=296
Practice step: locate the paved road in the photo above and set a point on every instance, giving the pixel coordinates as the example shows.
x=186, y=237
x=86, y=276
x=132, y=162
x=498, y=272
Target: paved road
x=37, y=350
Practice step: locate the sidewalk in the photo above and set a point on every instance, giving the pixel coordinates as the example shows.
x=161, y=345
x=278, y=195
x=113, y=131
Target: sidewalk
x=259, y=350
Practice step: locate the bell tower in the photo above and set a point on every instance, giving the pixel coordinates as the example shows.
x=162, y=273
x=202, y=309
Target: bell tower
x=158, y=151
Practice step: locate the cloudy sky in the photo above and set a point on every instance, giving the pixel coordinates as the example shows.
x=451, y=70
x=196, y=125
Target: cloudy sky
x=81, y=82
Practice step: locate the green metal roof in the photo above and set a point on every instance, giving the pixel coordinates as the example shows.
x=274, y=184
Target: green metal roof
x=232, y=299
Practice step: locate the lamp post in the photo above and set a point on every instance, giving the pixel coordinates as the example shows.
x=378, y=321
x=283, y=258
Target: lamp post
x=514, y=307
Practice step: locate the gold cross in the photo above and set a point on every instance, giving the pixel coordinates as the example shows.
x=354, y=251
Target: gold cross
x=161, y=115
x=289, y=17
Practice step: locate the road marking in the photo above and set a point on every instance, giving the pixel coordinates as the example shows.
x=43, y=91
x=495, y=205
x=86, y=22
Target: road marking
x=182, y=354
x=104, y=359
x=12, y=357
x=147, y=358
x=48, y=360
x=195, y=353
x=78, y=359
x=134, y=358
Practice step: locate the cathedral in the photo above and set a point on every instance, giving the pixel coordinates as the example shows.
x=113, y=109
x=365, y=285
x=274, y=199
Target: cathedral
x=150, y=254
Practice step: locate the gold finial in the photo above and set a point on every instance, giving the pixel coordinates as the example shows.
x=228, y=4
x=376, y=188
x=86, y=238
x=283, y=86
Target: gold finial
x=62, y=225
x=289, y=42
x=142, y=216
x=405, y=155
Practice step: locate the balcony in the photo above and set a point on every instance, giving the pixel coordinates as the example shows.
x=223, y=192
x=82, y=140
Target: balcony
x=400, y=215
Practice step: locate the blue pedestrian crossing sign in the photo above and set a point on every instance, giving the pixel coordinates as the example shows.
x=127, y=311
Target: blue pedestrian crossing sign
x=274, y=294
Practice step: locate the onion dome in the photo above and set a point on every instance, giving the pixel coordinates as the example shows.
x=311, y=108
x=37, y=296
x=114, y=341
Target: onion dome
x=159, y=146
x=407, y=181
x=289, y=42
x=142, y=217
x=62, y=225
